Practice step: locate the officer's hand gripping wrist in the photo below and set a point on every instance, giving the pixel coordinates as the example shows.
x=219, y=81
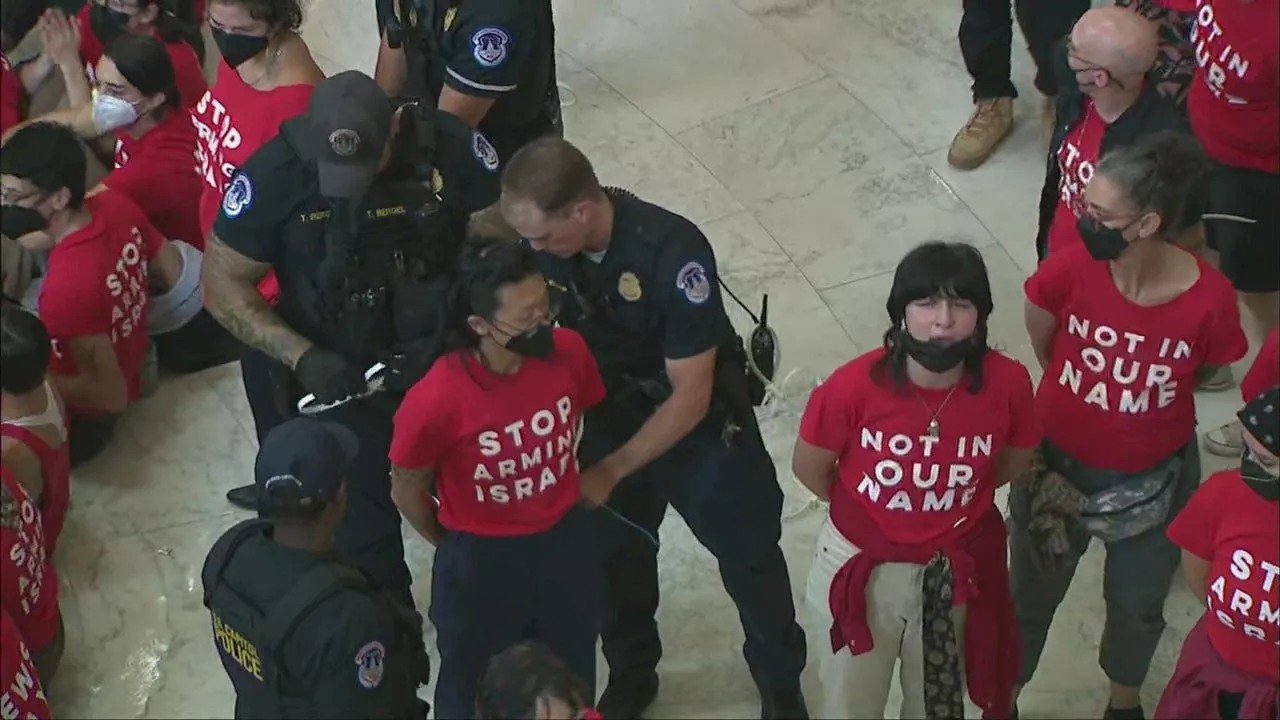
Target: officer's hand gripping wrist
x=329, y=377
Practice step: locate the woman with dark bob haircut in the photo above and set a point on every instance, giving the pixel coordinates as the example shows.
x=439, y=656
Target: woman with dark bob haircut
x=909, y=443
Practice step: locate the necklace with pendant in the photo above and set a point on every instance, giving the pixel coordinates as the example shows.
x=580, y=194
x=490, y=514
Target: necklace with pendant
x=933, y=430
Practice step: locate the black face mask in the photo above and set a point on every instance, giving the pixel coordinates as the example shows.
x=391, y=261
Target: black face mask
x=1102, y=242
x=537, y=344
x=17, y=221
x=933, y=355
x=236, y=49
x=1267, y=486
x=106, y=24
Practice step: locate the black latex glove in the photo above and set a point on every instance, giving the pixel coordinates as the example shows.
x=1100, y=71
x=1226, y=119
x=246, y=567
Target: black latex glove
x=404, y=371
x=329, y=377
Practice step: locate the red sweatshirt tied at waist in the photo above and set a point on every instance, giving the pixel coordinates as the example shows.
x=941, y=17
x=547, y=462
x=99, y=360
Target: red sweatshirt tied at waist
x=980, y=580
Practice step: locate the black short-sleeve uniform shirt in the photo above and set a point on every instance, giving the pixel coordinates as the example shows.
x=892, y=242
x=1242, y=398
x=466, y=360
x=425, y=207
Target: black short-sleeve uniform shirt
x=653, y=296
x=501, y=49
x=272, y=211
x=346, y=655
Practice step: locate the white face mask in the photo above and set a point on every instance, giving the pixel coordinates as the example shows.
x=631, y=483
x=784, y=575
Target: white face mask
x=112, y=113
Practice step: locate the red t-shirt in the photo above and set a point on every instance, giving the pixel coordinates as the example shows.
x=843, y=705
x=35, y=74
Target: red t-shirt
x=1264, y=373
x=1233, y=528
x=1233, y=102
x=233, y=120
x=1077, y=157
x=188, y=68
x=918, y=489
x=502, y=446
x=1118, y=393
x=159, y=173
x=28, y=587
x=22, y=695
x=96, y=284
x=11, y=95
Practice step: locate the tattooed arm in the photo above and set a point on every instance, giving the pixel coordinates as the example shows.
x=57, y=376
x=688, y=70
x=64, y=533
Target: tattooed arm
x=411, y=493
x=229, y=288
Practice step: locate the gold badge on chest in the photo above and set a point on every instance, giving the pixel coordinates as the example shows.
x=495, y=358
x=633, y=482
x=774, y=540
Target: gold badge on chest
x=629, y=286
x=449, y=15
x=437, y=182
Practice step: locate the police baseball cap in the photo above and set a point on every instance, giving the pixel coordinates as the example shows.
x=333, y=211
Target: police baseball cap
x=300, y=467
x=346, y=126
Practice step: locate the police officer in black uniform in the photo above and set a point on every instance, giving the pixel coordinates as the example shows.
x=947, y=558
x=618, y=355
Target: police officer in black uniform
x=639, y=283
x=300, y=633
x=359, y=208
x=490, y=62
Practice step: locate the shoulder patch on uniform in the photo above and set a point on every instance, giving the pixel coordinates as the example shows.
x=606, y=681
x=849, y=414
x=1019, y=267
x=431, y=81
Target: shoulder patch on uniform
x=484, y=151
x=370, y=662
x=238, y=197
x=489, y=46
x=692, y=281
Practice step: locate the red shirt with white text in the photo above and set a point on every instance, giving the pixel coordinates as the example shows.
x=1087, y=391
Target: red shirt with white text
x=21, y=694
x=28, y=587
x=11, y=96
x=188, y=68
x=1118, y=392
x=1234, y=100
x=1232, y=527
x=233, y=120
x=96, y=284
x=1077, y=157
x=918, y=489
x=158, y=171
x=502, y=446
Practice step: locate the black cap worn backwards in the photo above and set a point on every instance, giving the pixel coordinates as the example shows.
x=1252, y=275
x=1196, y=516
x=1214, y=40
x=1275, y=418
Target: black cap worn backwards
x=345, y=129
x=300, y=467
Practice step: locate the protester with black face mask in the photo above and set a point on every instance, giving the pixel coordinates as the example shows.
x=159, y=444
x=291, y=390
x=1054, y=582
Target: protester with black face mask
x=909, y=443
x=1104, y=101
x=1230, y=539
x=491, y=432
x=1123, y=324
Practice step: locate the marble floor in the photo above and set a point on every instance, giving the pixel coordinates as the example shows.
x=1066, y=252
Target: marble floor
x=808, y=138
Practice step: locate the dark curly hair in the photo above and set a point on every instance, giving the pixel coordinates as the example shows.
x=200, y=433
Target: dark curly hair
x=485, y=266
x=1166, y=173
x=518, y=677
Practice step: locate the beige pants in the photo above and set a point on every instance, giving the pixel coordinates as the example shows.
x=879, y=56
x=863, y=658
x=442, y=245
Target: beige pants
x=859, y=686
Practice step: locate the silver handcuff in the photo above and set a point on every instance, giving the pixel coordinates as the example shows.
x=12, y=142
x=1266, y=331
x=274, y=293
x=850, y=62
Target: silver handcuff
x=375, y=377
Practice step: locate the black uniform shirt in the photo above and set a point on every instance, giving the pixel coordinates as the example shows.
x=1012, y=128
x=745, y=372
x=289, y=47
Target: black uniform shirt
x=272, y=211
x=345, y=654
x=501, y=49
x=653, y=296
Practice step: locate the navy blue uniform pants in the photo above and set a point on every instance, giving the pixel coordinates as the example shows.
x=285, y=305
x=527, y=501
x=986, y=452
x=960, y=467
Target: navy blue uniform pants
x=489, y=593
x=728, y=494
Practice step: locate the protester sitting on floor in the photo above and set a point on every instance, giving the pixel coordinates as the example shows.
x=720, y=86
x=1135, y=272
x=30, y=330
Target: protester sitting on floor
x=28, y=586
x=93, y=299
x=33, y=424
x=528, y=681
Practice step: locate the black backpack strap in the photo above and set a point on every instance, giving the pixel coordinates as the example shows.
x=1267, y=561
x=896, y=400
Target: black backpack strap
x=215, y=564
x=315, y=587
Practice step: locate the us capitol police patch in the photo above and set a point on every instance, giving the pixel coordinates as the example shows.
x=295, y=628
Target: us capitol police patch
x=238, y=197
x=489, y=46
x=692, y=281
x=484, y=151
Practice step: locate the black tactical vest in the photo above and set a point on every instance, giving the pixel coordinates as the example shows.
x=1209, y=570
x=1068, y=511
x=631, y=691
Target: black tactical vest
x=381, y=287
x=251, y=640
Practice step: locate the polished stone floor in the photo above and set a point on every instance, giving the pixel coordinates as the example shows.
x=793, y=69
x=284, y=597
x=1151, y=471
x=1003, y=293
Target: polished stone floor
x=808, y=138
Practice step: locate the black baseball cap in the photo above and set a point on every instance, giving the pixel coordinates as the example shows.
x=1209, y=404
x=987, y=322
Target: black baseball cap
x=1260, y=417
x=300, y=467
x=346, y=127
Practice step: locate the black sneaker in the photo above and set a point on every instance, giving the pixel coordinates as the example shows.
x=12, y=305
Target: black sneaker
x=784, y=706
x=1133, y=713
x=627, y=696
x=244, y=497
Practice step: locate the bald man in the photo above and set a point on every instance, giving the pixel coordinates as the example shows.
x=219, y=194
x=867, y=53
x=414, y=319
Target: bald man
x=1104, y=101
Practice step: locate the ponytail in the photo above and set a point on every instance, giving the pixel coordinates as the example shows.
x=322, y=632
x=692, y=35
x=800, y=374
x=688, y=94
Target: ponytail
x=1166, y=173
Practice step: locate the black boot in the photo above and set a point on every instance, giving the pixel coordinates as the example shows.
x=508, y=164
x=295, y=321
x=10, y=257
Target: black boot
x=788, y=705
x=627, y=696
x=244, y=497
x=1133, y=713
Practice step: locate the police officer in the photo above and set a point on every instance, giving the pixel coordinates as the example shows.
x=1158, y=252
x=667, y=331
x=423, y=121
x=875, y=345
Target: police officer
x=490, y=62
x=359, y=208
x=639, y=283
x=300, y=633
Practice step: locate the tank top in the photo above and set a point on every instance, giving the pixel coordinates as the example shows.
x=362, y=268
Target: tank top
x=55, y=464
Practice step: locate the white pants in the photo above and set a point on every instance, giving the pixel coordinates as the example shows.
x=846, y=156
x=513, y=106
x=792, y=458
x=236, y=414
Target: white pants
x=859, y=686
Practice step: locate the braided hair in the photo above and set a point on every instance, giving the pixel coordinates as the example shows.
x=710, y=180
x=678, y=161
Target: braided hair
x=1166, y=173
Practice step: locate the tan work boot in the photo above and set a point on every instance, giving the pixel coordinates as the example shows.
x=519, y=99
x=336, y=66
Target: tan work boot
x=990, y=124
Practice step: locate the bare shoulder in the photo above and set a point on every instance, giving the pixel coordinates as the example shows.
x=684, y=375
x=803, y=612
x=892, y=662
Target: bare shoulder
x=298, y=66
